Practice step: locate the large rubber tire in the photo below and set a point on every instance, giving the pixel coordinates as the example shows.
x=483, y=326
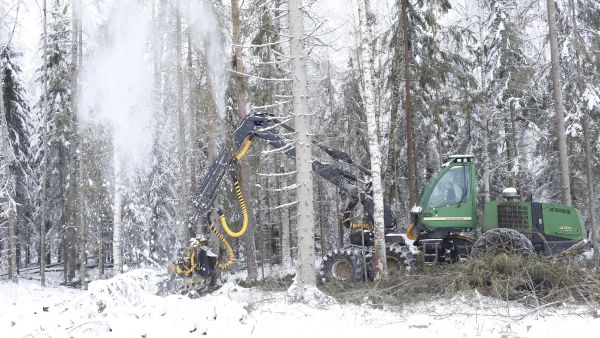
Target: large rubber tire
x=503, y=240
x=399, y=258
x=345, y=265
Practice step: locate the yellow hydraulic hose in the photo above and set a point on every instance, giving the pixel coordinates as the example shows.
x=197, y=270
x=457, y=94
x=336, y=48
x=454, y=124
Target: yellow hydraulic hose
x=244, y=150
x=224, y=224
x=410, y=234
x=228, y=248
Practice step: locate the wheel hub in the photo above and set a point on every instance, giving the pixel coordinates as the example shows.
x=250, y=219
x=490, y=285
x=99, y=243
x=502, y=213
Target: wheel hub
x=341, y=270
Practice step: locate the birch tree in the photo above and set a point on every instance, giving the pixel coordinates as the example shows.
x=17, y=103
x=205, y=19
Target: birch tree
x=369, y=99
x=305, y=271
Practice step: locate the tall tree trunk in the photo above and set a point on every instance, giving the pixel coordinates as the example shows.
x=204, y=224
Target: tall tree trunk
x=77, y=58
x=410, y=145
x=9, y=185
x=391, y=173
x=321, y=216
x=587, y=146
x=44, y=183
x=563, y=156
x=249, y=245
x=515, y=150
x=192, y=115
x=284, y=232
x=181, y=145
x=62, y=206
x=510, y=155
x=117, y=222
x=305, y=274
x=369, y=100
x=484, y=115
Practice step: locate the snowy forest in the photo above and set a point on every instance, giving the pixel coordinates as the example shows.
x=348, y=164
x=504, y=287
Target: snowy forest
x=112, y=113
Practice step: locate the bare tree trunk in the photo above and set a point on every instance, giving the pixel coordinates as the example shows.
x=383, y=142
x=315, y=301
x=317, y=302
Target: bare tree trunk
x=74, y=196
x=438, y=139
x=515, y=150
x=321, y=216
x=563, y=156
x=193, y=117
x=410, y=150
x=510, y=155
x=82, y=224
x=44, y=183
x=62, y=205
x=9, y=186
x=391, y=173
x=305, y=274
x=83, y=229
x=249, y=245
x=117, y=222
x=369, y=98
x=181, y=145
x=263, y=195
x=484, y=116
x=587, y=146
x=284, y=243
x=101, y=252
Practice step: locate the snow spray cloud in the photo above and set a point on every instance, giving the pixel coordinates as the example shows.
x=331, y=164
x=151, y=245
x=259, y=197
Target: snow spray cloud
x=116, y=86
x=205, y=34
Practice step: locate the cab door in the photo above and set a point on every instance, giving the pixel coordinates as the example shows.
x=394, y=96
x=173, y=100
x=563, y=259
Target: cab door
x=450, y=199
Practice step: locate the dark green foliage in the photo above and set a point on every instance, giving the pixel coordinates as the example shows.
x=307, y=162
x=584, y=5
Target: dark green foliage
x=18, y=120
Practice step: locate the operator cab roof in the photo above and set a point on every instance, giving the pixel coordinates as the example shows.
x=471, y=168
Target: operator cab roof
x=458, y=159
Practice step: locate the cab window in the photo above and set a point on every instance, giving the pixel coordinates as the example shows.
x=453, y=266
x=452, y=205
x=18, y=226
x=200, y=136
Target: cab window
x=451, y=189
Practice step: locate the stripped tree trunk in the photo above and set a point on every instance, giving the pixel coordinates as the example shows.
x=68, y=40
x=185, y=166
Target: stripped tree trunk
x=369, y=99
x=305, y=272
x=249, y=245
x=563, y=158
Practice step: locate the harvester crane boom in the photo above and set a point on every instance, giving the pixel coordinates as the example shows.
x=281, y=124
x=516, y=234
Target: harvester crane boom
x=263, y=126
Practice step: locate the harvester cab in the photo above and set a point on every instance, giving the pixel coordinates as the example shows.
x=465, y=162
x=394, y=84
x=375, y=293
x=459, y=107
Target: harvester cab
x=445, y=224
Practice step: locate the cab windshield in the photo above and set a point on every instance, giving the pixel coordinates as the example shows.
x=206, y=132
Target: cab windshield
x=452, y=188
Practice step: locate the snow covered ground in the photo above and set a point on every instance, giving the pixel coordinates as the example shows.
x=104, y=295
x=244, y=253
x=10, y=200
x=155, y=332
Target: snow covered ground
x=125, y=306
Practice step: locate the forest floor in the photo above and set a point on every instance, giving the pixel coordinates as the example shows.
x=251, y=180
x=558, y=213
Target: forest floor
x=127, y=306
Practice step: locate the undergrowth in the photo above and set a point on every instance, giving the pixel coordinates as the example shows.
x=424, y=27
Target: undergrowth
x=532, y=281
x=268, y=284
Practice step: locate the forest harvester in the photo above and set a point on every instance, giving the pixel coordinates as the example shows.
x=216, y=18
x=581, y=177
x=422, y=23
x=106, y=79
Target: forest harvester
x=445, y=225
